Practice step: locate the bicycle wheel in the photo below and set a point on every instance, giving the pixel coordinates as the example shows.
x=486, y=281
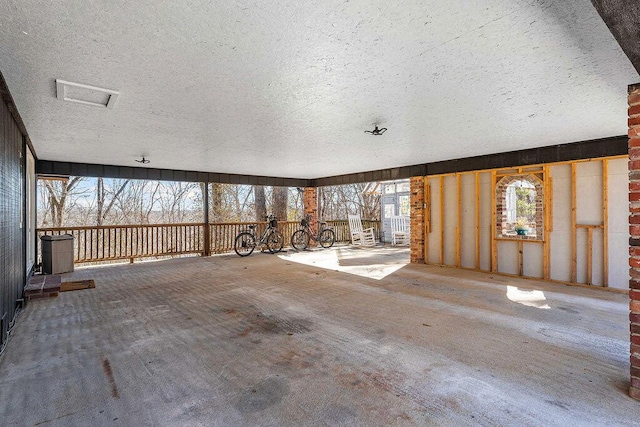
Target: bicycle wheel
x=300, y=240
x=275, y=241
x=327, y=237
x=245, y=244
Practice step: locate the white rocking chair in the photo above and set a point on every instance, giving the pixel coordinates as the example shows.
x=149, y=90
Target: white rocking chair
x=360, y=236
x=400, y=234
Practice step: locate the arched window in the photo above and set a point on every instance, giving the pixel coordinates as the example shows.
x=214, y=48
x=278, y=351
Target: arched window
x=519, y=207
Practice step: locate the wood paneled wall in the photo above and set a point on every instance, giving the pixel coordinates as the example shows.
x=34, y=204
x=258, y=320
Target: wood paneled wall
x=12, y=234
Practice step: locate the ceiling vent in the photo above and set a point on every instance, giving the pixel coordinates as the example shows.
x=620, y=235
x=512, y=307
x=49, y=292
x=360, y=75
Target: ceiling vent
x=85, y=94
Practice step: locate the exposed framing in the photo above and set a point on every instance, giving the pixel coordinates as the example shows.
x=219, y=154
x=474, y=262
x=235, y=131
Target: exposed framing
x=543, y=171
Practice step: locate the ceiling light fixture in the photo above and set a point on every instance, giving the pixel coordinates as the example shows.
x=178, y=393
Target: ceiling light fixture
x=143, y=161
x=376, y=131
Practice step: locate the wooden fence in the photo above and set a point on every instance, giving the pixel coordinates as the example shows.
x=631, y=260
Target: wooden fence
x=117, y=242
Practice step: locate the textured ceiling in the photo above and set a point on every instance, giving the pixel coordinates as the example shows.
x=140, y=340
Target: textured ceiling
x=287, y=88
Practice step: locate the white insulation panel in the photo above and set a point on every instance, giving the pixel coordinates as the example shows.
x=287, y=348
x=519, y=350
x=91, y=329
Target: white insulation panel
x=560, y=236
x=589, y=193
x=433, y=240
x=468, y=226
x=450, y=219
x=532, y=260
x=508, y=257
x=618, y=196
x=486, y=222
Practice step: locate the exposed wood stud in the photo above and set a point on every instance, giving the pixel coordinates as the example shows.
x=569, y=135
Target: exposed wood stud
x=442, y=220
x=477, y=195
x=494, y=243
x=427, y=195
x=427, y=219
x=459, y=220
x=589, y=255
x=547, y=206
x=573, y=225
x=605, y=222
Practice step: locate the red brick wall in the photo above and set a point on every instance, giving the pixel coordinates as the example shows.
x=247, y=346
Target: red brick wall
x=417, y=219
x=634, y=236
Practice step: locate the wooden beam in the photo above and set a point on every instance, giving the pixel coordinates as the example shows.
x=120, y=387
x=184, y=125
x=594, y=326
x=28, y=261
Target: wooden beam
x=441, y=220
x=477, y=196
x=459, y=220
x=427, y=219
x=547, y=209
x=494, y=243
x=605, y=222
x=573, y=224
x=589, y=255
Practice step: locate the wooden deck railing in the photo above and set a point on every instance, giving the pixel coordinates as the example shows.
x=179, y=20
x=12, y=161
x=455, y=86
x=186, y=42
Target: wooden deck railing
x=117, y=242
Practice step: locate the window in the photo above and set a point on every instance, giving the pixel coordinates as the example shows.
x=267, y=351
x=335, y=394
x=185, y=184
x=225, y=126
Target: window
x=519, y=207
x=389, y=210
x=403, y=187
x=403, y=205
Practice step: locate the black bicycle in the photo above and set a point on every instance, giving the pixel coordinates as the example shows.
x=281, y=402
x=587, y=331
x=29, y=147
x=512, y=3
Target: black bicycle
x=271, y=238
x=300, y=239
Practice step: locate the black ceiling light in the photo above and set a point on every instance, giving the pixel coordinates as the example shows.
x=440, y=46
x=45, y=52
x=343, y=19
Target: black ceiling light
x=143, y=161
x=376, y=131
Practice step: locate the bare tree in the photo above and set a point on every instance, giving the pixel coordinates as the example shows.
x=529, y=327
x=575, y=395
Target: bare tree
x=336, y=202
x=58, y=193
x=260, y=201
x=102, y=195
x=280, y=196
x=175, y=202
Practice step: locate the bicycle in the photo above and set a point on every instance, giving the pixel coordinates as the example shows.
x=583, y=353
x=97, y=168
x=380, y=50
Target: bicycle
x=245, y=242
x=300, y=239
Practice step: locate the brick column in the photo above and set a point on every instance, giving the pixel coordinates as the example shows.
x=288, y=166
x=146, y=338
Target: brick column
x=634, y=236
x=310, y=202
x=417, y=220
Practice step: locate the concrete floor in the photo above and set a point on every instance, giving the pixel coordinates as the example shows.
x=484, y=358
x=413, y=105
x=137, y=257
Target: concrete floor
x=333, y=337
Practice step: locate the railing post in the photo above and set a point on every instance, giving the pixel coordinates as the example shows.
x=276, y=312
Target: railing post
x=206, y=234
